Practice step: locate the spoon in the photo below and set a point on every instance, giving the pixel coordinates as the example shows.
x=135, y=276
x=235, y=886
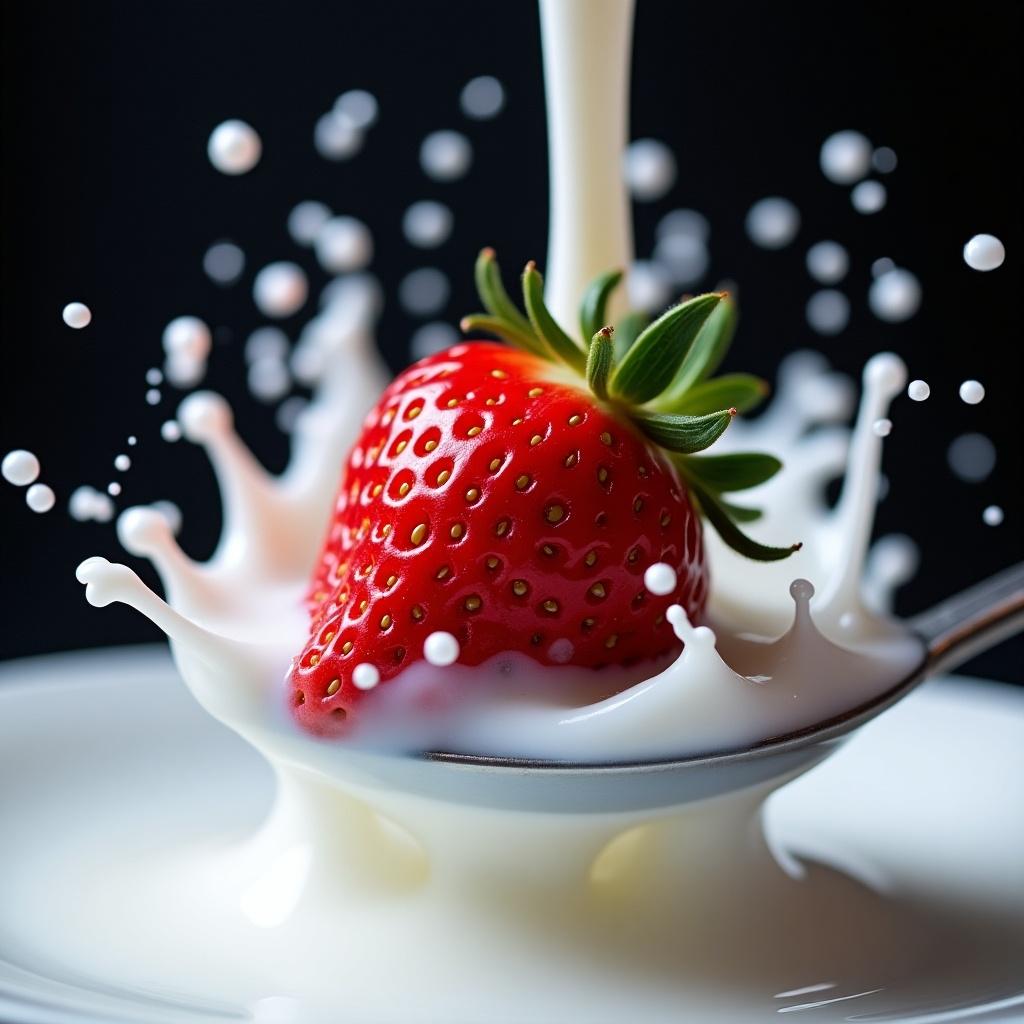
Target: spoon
x=951, y=632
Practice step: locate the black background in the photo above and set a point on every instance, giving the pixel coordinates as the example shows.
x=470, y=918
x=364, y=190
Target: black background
x=108, y=198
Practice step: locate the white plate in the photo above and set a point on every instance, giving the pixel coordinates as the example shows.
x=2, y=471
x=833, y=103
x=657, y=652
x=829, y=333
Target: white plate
x=102, y=751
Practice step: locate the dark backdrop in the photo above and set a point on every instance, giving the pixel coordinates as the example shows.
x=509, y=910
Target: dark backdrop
x=108, y=197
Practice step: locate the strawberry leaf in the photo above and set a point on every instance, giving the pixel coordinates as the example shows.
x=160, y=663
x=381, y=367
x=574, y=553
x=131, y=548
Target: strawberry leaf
x=737, y=471
x=741, y=513
x=654, y=358
x=595, y=302
x=685, y=434
x=599, y=362
x=504, y=329
x=493, y=295
x=739, y=390
x=718, y=515
x=559, y=343
x=707, y=352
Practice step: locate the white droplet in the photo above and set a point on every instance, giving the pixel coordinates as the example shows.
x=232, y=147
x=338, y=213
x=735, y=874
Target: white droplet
x=224, y=262
x=423, y=292
x=432, y=338
x=40, y=498
x=132, y=440
x=81, y=503
x=445, y=155
x=288, y=413
x=306, y=220
x=113, y=488
x=918, y=390
x=648, y=286
x=153, y=397
x=266, y=343
x=234, y=147
x=365, y=676
x=269, y=379
x=187, y=337
x=984, y=252
x=561, y=651
x=649, y=168
x=884, y=160
x=773, y=223
x=427, y=224
x=358, y=107
x=684, y=222
x=170, y=431
x=482, y=98
x=972, y=392
x=336, y=138
x=684, y=257
x=801, y=590
x=280, y=289
x=869, y=197
x=972, y=457
x=154, y=377
x=170, y=513
x=77, y=315
x=895, y=295
x=845, y=157
x=882, y=428
x=122, y=463
x=20, y=467
x=828, y=262
x=828, y=311
x=344, y=244
x=882, y=266
x=993, y=515
x=441, y=649
x=660, y=579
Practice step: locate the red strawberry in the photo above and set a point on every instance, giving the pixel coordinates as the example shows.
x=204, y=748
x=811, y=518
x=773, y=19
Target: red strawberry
x=493, y=496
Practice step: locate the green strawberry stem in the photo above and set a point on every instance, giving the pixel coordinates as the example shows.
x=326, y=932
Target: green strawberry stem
x=659, y=375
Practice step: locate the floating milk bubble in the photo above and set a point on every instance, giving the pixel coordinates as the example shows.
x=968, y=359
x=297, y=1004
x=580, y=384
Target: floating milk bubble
x=972, y=392
x=828, y=311
x=845, y=157
x=482, y=98
x=171, y=514
x=918, y=390
x=280, y=289
x=992, y=516
x=40, y=498
x=336, y=138
x=113, y=488
x=153, y=397
x=344, y=244
x=828, y=262
x=984, y=252
x=423, y=292
x=269, y=379
x=660, y=579
x=882, y=266
x=20, y=467
x=234, y=147
x=122, y=463
x=170, y=431
x=869, y=197
x=882, y=428
x=77, y=315
x=224, y=262
x=306, y=220
x=445, y=155
x=358, y=107
x=684, y=222
x=132, y=440
x=365, y=676
x=288, y=413
x=183, y=371
x=649, y=169
x=895, y=295
x=884, y=160
x=972, y=457
x=427, y=224
x=154, y=377
x=187, y=336
x=649, y=286
x=432, y=338
x=684, y=257
x=441, y=649
x=773, y=223
x=87, y=504
x=266, y=343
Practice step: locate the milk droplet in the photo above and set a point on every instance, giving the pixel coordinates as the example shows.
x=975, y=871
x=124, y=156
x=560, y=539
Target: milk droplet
x=845, y=157
x=445, y=155
x=684, y=258
x=882, y=266
x=884, y=160
x=365, y=676
x=170, y=431
x=266, y=343
x=684, y=222
x=358, y=107
x=170, y=513
x=153, y=397
x=423, y=292
x=280, y=289
x=154, y=377
x=432, y=338
x=482, y=98
x=992, y=516
x=918, y=390
x=869, y=197
x=234, y=147
x=132, y=440
x=895, y=295
x=306, y=220
x=223, y=263
x=984, y=252
x=427, y=224
x=773, y=223
x=187, y=337
x=20, y=467
x=828, y=311
x=77, y=315
x=660, y=579
x=336, y=138
x=440, y=649
x=972, y=392
x=269, y=379
x=122, y=463
x=827, y=262
x=344, y=244
x=561, y=651
x=288, y=413
x=972, y=457
x=40, y=498
x=649, y=167
x=113, y=488
x=648, y=286
x=882, y=428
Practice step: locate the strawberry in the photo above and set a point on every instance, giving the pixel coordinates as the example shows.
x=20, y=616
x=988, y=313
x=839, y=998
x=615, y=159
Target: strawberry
x=513, y=495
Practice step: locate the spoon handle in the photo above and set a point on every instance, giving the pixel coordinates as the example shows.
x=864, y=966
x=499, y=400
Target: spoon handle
x=974, y=620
